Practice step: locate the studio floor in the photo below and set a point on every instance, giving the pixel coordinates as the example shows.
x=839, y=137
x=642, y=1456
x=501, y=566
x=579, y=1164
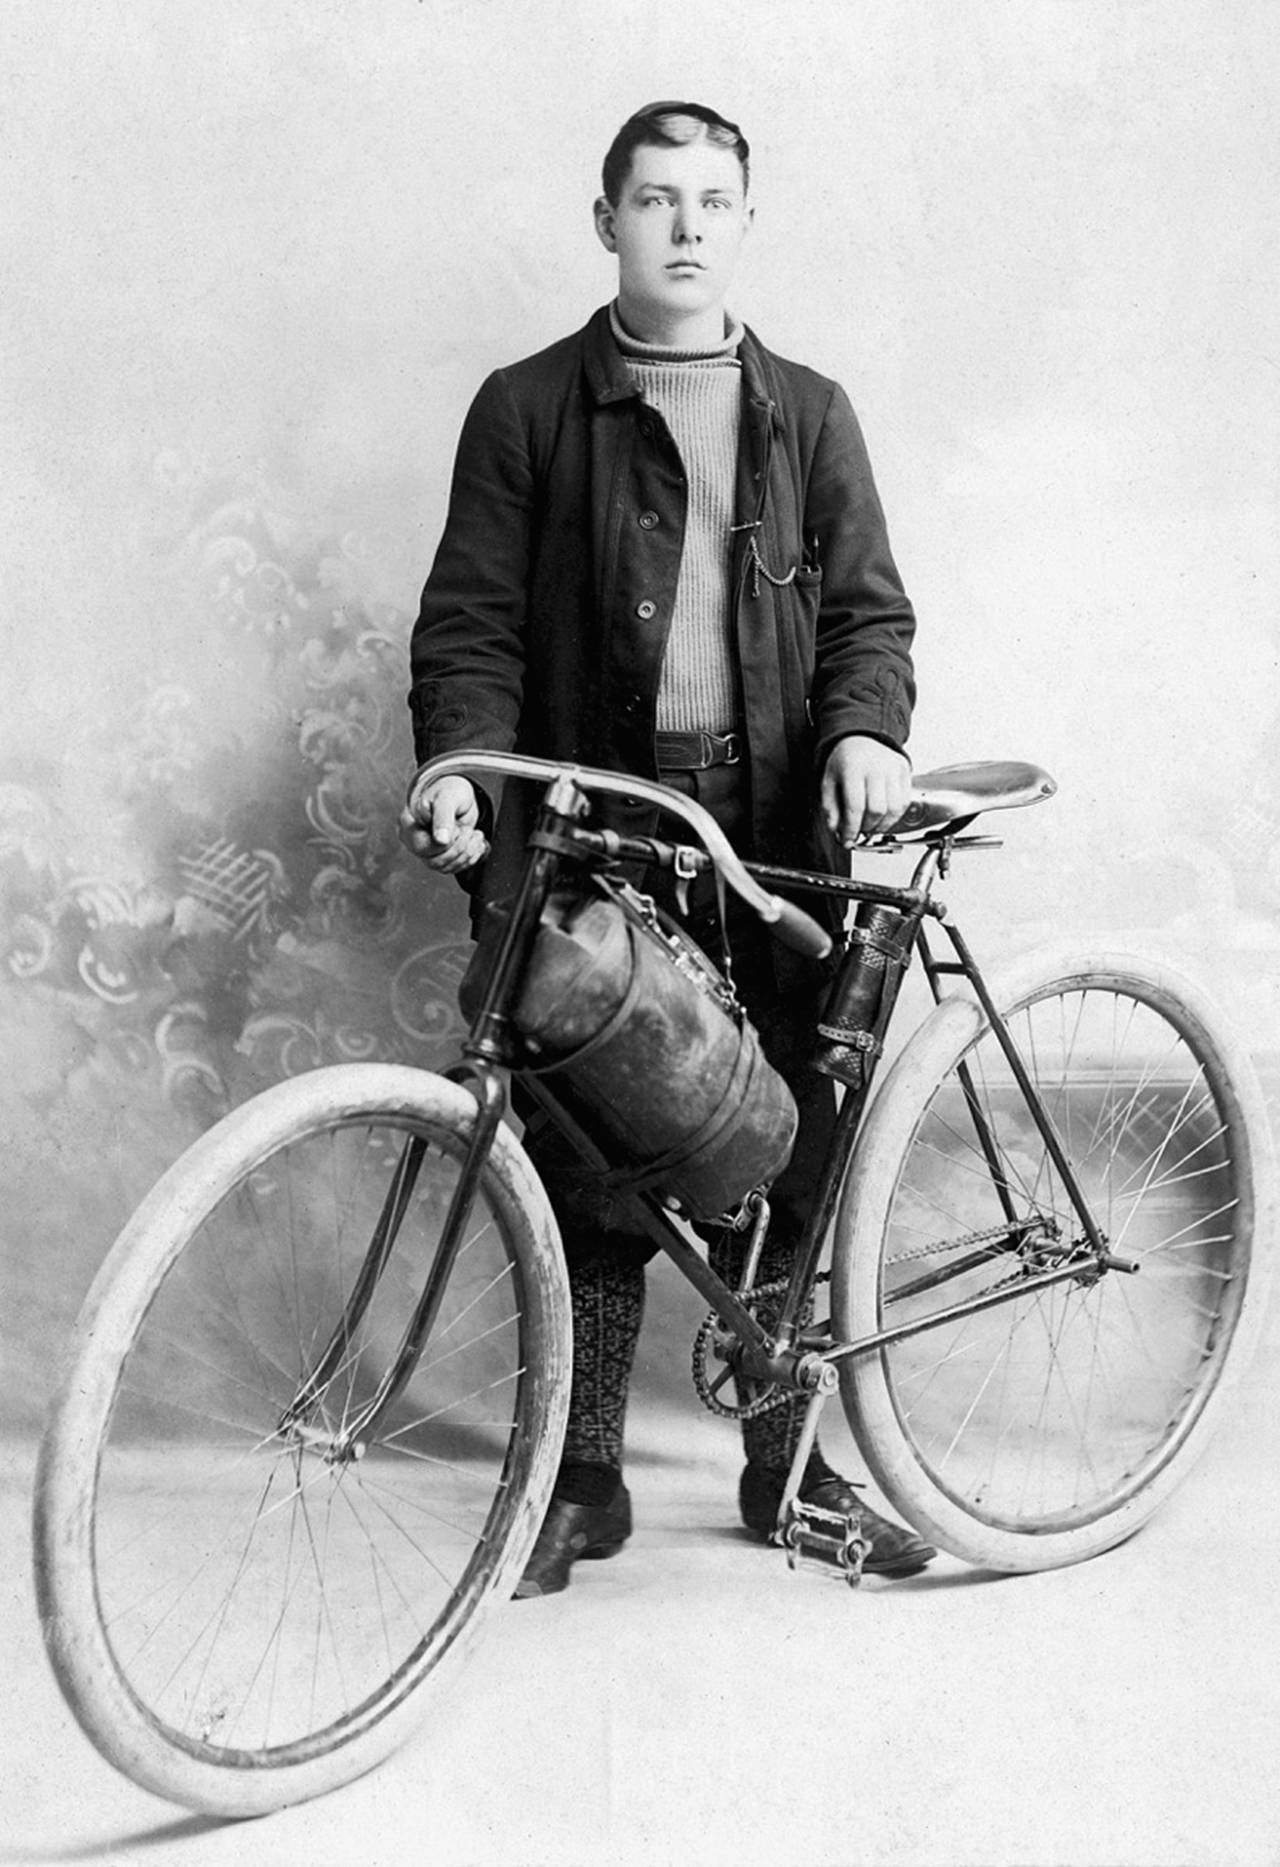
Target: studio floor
x=694, y=1702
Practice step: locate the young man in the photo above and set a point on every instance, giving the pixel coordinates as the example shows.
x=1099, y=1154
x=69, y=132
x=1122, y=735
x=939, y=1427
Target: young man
x=665, y=555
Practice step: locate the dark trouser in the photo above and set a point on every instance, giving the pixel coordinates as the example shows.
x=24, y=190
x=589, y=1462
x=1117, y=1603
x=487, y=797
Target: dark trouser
x=606, y=1251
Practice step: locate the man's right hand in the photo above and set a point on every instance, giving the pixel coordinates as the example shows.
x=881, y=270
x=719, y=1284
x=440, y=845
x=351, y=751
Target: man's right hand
x=442, y=831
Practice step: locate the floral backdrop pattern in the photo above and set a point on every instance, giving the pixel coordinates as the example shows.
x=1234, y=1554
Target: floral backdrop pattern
x=236, y=906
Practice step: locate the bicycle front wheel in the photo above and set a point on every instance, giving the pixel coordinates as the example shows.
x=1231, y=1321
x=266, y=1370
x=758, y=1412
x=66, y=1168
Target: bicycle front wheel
x=1047, y=1428
x=245, y=1603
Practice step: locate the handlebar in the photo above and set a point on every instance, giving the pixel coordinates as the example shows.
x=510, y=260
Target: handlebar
x=942, y=801
x=789, y=923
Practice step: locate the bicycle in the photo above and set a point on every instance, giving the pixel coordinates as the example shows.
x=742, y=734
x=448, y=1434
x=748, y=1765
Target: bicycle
x=318, y=1389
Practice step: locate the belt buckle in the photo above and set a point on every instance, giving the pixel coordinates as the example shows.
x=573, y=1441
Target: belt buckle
x=732, y=749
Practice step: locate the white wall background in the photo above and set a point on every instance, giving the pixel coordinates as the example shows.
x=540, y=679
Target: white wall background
x=258, y=257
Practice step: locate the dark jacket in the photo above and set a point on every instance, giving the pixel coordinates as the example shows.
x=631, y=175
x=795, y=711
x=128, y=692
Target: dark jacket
x=544, y=619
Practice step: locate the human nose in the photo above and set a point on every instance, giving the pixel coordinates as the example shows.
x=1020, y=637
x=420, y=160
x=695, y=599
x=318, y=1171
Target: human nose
x=687, y=230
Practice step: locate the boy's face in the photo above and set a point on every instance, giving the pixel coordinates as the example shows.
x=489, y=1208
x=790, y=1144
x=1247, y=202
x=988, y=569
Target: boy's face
x=677, y=231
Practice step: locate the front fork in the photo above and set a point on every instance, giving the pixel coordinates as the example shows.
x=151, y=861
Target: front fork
x=348, y=1439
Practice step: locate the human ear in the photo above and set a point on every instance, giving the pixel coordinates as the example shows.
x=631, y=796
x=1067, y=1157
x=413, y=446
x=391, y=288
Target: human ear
x=604, y=224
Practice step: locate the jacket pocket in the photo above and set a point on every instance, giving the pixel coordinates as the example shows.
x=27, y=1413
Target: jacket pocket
x=798, y=607
x=806, y=596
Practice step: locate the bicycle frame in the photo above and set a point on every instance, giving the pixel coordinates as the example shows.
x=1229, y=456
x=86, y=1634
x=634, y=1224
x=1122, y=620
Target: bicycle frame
x=800, y=1357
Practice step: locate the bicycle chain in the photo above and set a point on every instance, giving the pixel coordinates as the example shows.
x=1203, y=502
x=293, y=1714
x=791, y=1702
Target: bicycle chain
x=952, y=1244
x=775, y=1396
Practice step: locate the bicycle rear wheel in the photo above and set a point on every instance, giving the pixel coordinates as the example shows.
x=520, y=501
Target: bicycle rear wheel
x=240, y=1612
x=1048, y=1428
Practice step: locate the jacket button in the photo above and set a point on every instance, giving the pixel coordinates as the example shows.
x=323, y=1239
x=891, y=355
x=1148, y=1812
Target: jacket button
x=646, y=610
x=647, y=430
x=648, y=520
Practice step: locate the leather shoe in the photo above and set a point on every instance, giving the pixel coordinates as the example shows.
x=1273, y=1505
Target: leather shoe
x=570, y=1531
x=894, y=1551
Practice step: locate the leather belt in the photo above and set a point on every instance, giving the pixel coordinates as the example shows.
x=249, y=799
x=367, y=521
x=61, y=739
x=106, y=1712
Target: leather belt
x=697, y=751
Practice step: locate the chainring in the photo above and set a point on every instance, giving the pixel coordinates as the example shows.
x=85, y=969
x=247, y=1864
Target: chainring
x=713, y=1340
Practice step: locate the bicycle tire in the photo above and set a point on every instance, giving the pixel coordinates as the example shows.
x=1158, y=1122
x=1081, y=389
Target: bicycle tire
x=237, y=1620
x=1049, y=1429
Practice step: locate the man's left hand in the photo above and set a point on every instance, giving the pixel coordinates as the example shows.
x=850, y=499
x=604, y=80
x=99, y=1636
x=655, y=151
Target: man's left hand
x=865, y=788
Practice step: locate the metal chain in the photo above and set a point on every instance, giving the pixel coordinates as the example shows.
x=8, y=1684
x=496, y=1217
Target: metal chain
x=952, y=1244
x=776, y=1396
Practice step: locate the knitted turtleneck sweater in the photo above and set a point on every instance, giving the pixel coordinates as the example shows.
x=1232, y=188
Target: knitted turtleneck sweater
x=698, y=393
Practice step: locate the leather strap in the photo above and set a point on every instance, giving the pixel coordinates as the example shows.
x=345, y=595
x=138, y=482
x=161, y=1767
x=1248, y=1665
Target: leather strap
x=697, y=751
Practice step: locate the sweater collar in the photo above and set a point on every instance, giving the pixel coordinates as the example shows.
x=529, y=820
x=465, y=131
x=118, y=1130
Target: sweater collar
x=726, y=351
x=609, y=379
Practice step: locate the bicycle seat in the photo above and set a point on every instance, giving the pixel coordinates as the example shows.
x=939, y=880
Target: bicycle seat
x=955, y=794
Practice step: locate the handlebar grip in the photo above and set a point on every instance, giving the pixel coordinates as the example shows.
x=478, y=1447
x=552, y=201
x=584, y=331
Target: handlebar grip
x=799, y=930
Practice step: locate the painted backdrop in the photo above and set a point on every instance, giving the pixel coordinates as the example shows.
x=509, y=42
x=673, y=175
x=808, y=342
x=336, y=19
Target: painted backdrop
x=259, y=258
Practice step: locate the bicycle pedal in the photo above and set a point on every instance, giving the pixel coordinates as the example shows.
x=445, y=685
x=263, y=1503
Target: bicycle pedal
x=824, y=1540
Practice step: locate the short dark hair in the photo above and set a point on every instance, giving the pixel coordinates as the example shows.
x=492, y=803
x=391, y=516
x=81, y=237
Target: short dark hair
x=668, y=124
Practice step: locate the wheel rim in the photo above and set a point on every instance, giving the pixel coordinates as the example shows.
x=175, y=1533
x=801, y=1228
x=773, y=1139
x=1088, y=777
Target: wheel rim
x=264, y=1594
x=1049, y=1412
